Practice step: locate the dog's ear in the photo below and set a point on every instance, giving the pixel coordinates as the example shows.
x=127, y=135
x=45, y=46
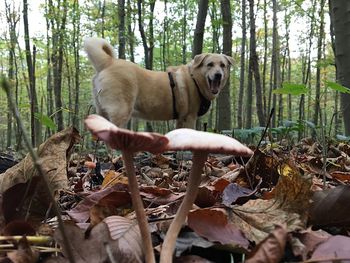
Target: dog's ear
x=229, y=59
x=198, y=59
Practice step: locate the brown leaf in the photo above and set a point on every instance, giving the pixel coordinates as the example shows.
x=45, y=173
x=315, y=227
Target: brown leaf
x=95, y=247
x=233, y=192
x=115, y=196
x=158, y=195
x=334, y=249
x=257, y=218
x=213, y=224
x=342, y=176
x=331, y=207
x=53, y=154
x=24, y=253
x=309, y=240
x=271, y=249
x=128, y=235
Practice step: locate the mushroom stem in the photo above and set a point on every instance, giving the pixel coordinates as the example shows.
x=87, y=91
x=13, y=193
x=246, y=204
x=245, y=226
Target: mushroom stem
x=138, y=207
x=169, y=243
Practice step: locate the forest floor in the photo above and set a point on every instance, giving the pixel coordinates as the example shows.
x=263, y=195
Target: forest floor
x=288, y=203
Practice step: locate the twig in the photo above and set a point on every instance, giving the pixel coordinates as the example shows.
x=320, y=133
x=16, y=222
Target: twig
x=6, y=86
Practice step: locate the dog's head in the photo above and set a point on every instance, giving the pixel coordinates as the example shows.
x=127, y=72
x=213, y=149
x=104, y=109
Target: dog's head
x=211, y=71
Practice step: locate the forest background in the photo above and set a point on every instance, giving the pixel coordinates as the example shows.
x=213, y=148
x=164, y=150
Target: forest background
x=283, y=52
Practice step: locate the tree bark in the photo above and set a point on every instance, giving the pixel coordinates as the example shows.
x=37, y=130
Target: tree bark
x=242, y=67
x=224, y=99
x=341, y=19
x=31, y=76
x=121, y=29
x=320, y=40
x=199, y=31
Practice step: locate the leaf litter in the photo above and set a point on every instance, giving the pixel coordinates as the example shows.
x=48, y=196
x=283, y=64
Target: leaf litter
x=273, y=208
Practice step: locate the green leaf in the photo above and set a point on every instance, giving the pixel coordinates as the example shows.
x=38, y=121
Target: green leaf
x=293, y=89
x=337, y=87
x=46, y=121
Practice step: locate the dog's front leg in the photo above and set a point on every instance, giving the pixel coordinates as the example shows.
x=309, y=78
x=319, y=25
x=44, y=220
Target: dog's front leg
x=187, y=122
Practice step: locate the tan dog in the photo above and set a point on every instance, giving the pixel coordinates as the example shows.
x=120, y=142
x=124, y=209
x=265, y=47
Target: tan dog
x=123, y=90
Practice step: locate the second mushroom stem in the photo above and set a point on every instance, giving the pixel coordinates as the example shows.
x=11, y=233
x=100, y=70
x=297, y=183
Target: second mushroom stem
x=138, y=207
x=169, y=243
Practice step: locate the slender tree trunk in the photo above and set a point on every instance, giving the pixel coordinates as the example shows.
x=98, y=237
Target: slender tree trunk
x=31, y=76
x=224, y=99
x=199, y=31
x=121, y=29
x=76, y=49
x=242, y=67
x=184, y=32
x=254, y=69
x=318, y=70
x=341, y=19
x=148, y=49
x=12, y=20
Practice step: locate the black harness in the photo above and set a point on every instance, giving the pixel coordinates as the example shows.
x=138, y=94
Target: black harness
x=204, y=105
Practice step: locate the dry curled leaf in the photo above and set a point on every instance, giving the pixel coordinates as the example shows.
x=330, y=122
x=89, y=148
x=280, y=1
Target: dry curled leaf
x=331, y=207
x=114, y=196
x=99, y=246
x=53, y=155
x=271, y=249
x=257, y=218
x=335, y=249
x=214, y=225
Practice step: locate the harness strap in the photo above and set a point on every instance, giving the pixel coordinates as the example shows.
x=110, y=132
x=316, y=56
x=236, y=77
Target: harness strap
x=172, y=85
x=205, y=103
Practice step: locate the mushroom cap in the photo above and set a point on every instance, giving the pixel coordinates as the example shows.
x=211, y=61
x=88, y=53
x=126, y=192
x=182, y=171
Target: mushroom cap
x=192, y=140
x=123, y=139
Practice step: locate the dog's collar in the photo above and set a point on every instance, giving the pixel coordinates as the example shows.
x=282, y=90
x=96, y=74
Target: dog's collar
x=172, y=85
x=205, y=103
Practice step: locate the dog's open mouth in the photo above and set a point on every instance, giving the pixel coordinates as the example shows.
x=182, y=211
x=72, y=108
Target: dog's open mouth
x=214, y=85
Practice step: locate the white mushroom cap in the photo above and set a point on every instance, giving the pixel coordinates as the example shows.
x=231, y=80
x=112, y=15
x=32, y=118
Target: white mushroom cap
x=123, y=139
x=192, y=140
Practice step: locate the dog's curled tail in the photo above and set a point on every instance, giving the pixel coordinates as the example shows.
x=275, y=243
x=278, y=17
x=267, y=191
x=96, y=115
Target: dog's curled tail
x=99, y=51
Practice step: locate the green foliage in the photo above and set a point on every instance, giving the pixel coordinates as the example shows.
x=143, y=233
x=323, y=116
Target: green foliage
x=293, y=89
x=46, y=121
x=337, y=87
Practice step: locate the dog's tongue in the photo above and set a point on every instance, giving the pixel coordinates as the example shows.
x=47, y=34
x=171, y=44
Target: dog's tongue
x=215, y=86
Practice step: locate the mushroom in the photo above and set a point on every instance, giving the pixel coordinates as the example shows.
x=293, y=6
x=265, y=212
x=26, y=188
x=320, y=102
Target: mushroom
x=201, y=144
x=130, y=142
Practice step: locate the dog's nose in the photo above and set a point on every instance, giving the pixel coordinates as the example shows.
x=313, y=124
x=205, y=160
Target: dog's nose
x=217, y=76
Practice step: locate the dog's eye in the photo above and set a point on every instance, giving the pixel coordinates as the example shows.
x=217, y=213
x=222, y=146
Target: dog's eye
x=209, y=65
x=222, y=65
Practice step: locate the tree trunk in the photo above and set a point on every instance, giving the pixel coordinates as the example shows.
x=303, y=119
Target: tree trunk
x=341, y=19
x=121, y=29
x=199, y=31
x=31, y=76
x=148, y=49
x=320, y=40
x=254, y=68
x=224, y=101
x=76, y=49
x=242, y=67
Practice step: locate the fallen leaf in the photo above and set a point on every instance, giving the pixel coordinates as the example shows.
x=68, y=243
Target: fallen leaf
x=310, y=240
x=335, y=249
x=24, y=253
x=53, y=155
x=271, y=249
x=290, y=206
x=186, y=240
x=234, y=191
x=116, y=196
x=214, y=225
x=331, y=207
x=95, y=247
x=127, y=233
